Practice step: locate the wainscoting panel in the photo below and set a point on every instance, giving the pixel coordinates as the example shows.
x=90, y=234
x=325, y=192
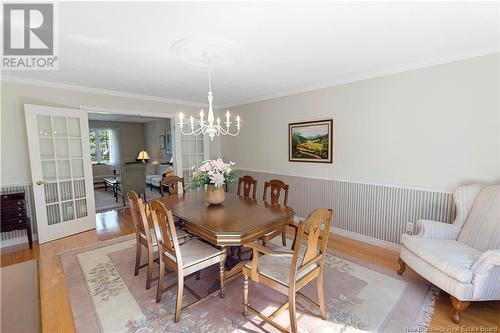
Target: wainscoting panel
x=30, y=210
x=376, y=211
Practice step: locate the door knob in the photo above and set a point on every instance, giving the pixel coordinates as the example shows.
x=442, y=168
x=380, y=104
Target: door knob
x=40, y=182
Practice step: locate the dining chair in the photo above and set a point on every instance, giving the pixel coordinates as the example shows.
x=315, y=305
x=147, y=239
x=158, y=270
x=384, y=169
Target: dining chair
x=173, y=184
x=275, y=187
x=185, y=259
x=247, y=184
x=141, y=217
x=288, y=272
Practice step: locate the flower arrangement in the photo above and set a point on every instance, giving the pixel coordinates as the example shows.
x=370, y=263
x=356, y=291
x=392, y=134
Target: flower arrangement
x=213, y=172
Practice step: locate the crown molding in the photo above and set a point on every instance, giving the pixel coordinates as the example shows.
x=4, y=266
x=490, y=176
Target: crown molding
x=100, y=91
x=366, y=76
x=319, y=86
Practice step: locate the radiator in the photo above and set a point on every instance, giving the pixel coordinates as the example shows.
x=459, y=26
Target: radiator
x=30, y=210
x=376, y=211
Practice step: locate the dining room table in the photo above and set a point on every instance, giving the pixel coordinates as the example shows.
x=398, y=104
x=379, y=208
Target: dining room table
x=233, y=223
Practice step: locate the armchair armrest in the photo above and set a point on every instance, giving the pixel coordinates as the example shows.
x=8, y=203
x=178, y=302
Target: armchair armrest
x=439, y=230
x=257, y=248
x=486, y=262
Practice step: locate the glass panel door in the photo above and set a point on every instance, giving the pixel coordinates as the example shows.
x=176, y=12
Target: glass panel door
x=60, y=163
x=193, y=153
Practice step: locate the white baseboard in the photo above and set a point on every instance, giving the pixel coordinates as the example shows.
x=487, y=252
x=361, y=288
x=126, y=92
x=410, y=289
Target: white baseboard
x=367, y=239
x=16, y=241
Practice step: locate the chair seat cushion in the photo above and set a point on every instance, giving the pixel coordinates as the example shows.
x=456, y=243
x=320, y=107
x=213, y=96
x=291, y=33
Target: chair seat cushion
x=278, y=268
x=181, y=236
x=196, y=251
x=449, y=256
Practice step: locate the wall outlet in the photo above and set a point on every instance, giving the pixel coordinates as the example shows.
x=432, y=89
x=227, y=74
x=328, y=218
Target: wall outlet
x=410, y=228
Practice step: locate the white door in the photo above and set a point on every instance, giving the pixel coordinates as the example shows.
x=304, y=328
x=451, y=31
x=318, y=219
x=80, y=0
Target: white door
x=61, y=171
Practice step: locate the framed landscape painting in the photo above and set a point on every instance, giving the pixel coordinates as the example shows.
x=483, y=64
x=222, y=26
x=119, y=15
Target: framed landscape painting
x=311, y=141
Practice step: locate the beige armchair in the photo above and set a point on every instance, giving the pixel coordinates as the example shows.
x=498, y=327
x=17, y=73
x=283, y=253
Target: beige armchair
x=462, y=258
x=133, y=178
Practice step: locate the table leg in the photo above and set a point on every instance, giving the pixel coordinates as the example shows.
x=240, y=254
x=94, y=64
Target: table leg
x=221, y=271
x=115, y=192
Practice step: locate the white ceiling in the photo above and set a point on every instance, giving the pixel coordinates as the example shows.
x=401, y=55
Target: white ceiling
x=285, y=47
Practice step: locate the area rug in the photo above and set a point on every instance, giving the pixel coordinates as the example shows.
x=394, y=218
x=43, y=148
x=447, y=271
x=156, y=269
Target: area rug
x=105, y=296
x=105, y=200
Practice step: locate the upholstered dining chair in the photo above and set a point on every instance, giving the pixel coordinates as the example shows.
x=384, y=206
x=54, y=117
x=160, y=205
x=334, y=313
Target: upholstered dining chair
x=288, y=272
x=145, y=236
x=185, y=259
x=173, y=184
x=132, y=178
x=247, y=184
x=275, y=187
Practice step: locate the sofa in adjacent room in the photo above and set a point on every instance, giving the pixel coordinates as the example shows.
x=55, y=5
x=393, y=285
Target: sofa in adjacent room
x=156, y=171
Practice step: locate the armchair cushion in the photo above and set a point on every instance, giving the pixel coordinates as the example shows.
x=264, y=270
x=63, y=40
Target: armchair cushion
x=151, y=168
x=482, y=227
x=434, y=229
x=278, y=268
x=453, y=258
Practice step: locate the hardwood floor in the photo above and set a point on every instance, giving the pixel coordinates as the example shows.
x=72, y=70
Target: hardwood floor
x=56, y=311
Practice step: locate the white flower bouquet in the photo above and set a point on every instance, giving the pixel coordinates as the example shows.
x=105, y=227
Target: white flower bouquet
x=213, y=172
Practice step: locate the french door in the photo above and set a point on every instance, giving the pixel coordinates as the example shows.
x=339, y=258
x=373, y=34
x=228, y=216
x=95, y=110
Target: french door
x=61, y=170
x=189, y=151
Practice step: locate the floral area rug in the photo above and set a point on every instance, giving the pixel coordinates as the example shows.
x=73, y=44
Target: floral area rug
x=105, y=296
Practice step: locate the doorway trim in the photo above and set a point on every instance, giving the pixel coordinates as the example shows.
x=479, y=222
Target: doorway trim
x=177, y=139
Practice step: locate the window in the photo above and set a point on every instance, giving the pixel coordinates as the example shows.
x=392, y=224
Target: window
x=99, y=146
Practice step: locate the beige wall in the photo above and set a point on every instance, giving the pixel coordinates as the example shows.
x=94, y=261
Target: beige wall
x=435, y=127
x=15, y=167
x=152, y=132
x=131, y=136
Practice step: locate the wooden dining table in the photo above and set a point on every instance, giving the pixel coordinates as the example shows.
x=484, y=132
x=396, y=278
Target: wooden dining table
x=235, y=222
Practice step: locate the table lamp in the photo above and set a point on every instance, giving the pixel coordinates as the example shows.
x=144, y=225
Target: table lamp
x=143, y=155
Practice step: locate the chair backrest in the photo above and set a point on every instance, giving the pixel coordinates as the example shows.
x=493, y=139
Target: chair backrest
x=314, y=230
x=275, y=186
x=165, y=232
x=248, y=184
x=482, y=226
x=139, y=215
x=173, y=184
x=133, y=177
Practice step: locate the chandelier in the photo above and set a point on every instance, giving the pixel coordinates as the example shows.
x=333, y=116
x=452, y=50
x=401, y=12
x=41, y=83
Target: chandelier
x=211, y=126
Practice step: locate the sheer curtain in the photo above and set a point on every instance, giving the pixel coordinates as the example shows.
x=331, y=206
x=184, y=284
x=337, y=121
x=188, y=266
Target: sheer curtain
x=114, y=154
